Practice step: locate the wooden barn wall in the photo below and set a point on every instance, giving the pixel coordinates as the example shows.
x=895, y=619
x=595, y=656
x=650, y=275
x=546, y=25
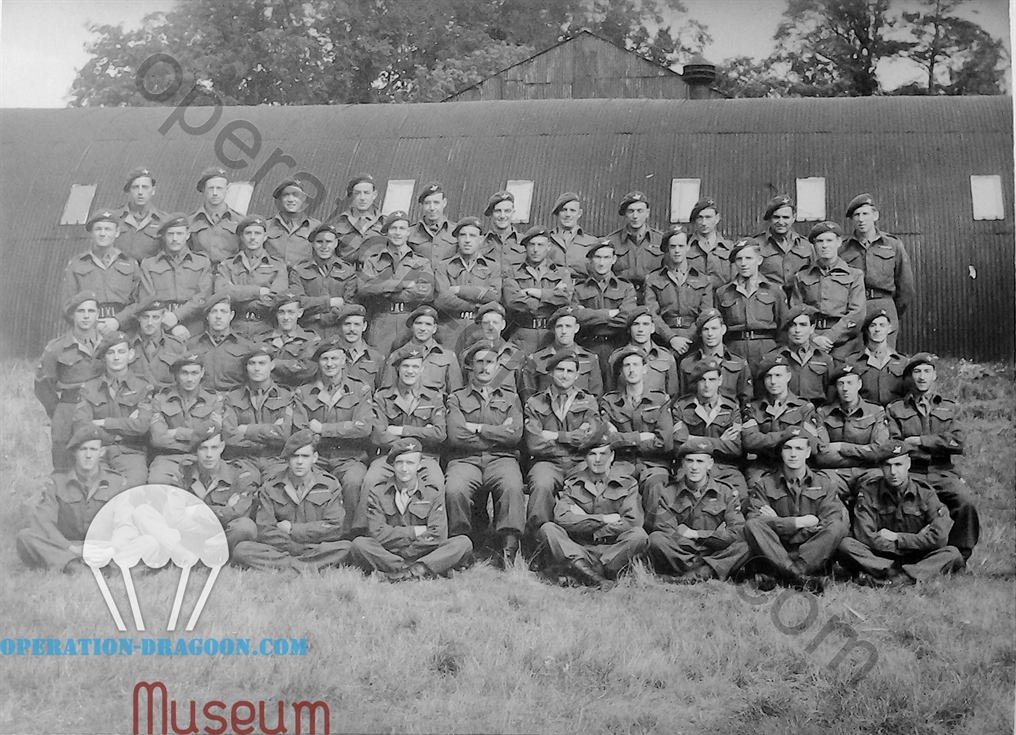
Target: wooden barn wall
x=916, y=157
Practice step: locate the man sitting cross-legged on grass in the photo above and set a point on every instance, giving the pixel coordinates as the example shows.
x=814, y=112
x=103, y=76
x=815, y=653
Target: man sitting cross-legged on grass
x=71, y=498
x=300, y=516
x=408, y=526
x=695, y=526
x=900, y=526
x=597, y=528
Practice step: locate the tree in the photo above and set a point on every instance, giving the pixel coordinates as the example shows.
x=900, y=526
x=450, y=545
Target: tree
x=742, y=76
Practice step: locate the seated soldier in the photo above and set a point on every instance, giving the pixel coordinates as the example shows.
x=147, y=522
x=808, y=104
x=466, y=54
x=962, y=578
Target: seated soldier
x=484, y=431
x=492, y=320
x=408, y=527
x=179, y=414
x=564, y=325
x=222, y=350
x=324, y=282
x=809, y=367
x=534, y=290
x=292, y=344
x=603, y=302
x=695, y=524
x=252, y=278
x=879, y=365
x=152, y=349
x=597, y=528
x=288, y=234
x=795, y=518
x=363, y=362
x=661, y=366
x=900, y=527
x=300, y=517
x=640, y=424
x=558, y=423
x=707, y=417
x=118, y=404
x=465, y=281
x=676, y=294
x=636, y=245
x=735, y=373
x=336, y=407
x=926, y=422
x=229, y=492
x=753, y=306
x=70, y=500
x=258, y=417
x=441, y=371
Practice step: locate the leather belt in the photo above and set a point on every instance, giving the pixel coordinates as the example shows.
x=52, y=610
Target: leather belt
x=753, y=334
x=467, y=315
x=876, y=293
x=600, y=338
x=679, y=322
x=396, y=307
x=824, y=323
x=537, y=323
x=108, y=310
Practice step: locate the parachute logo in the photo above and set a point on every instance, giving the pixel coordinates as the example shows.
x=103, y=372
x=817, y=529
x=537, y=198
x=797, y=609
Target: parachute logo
x=155, y=524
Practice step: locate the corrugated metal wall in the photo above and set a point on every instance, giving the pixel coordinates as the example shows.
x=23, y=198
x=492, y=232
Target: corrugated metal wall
x=914, y=154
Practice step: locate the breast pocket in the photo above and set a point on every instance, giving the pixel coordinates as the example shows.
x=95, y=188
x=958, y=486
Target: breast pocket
x=419, y=511
x=881, y=269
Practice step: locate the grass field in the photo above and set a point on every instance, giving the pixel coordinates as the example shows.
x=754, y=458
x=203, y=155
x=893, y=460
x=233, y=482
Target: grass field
x=503, y=652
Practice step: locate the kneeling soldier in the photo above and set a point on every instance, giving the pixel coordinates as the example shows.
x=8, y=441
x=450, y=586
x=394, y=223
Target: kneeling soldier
x=300, y=516
x=900, y=526
x=70, y=500
x=695, y=525
x=408, y=527
x=597, y=528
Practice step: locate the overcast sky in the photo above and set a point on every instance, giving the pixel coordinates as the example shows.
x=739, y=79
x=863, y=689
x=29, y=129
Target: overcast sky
x=42, y=41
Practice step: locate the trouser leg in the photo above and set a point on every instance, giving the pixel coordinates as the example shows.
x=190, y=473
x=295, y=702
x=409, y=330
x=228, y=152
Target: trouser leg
x=504, y=478
x=61, y=428
x=813, y=555
x=165, y=469
x=764, y=542
x=461, y=484
x=326, y=553
x=629, y=546
x=946, y=560
x=652, y=480
x=384, y=328
x=447, y=556
x=239, y=530
x=561, y=547
x=545, y=482
x=259, y=555
x=350, y=474
x=38, y=550
x=132, y=465
x=368, y=554
x=857, y=557
x=956, y=496
x=672, y=554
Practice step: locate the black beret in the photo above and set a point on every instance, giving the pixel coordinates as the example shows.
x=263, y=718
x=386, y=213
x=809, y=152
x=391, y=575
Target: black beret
x=211, y=173
x=77, y=300
x=286, y=297
x=561, y=356
x=568, y=196
x=406, y=352
x=796, y=432
x=706, y=316
x=359, y=179
x=823, y=227
x=626, y=352
x=215, y=299
x=497, y=198
x=467, y=222
x=478, y=346
x=700, y=206
x=700, y=368
x=695, y=446
x=598, y=437
x=349, y=310
x=323, y=227
x=921, y=358
x=189, y=358
x=86, y=433
x=875, y=314
x=535, y=231
x=800, y=310
x=406, y=445
x=103, y=215
x=391, y=219
x=177, y=219
x=431, y=187
x=740, y=245
x=636, y=313
x=778, y=202
x=859, y=201
x=424, y=310
x=632, y=197
x=599, y=245
x=298, y=440
x=329, y=345
x=669, y=233
x=261, y=349
x=286, y=183
x=773, y=359
x=137, y=174
x=151, y=304
x=842, y=370
x=490, y=306
x=564, y=311
x=203, y=434
x=892, y=449
x=249, y=221
x=109, y=341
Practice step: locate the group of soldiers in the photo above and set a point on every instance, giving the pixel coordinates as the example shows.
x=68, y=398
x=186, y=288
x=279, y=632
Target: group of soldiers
x=358, y=392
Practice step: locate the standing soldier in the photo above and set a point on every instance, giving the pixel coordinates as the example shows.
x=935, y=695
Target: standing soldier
x=441, y=370
x=784, y=252
x=118, y=404
x=661, y=366
x=834, y=289
x=735, y=374
x=676, y=294
x=360, y=222
x=221, y=349
x=394, y=280
x=288, y=234
x=888, y=276
x=879, y=365
x=66, y=363
x=568, y=241
x=465, y=281
x=110, y=274
x=537, y=373
x=709, y=251
x=535, y=290
x=139, y=220
x=177, y=277
x=603, y=303
x=213, y=225
x=432, y=236
x=810, y=368
x=152, y=350
x=636, y=245
x=753, y=307
x=502, y=239
x=484, y=431
x=292, y=344
x=492, y=321
x=252, y=278
x=325, y=282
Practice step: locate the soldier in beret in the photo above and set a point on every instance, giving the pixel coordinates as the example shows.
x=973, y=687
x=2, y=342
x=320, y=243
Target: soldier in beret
x=888, y=276
x=441, y=370
x=221, y=349
x=558, y=422
x=501, y=241
x=104, y=270
x=484, y=431
x=408, y=526
x=466, y=280
x=359, y=225
x=535, y=290
x=735, y=373
x=637, y=246
x=118, y=404
x=300, y=517
x=784, y=252
x=325, y=282
x=603, y=303
x=901, y=529
x=139, y=219
x=834, y=289
x=292, y=345
x=695, y=525
x=596, y=532
x=926, y=422
x=363, y=362
x=288, y=234
x=661, y=366
x=795, y=520
x=431, y=237
x=393, y=281
x=568, y=242
x=676, y=294
x=536, y=373
x=71, y=498
x=153, y=350
x=252, y=278
x=180, y=414
x=709, y=251
x=66, y=363
x=492, y=320
x=879, y=365
x=213, y=224
x=177, y=277
x=810, y=368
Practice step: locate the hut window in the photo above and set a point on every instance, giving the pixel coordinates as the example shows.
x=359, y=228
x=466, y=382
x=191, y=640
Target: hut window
x=986, y=194
x=78, y=204
x=523, y=192
x=683, y=195
x=811, y=200
x=238, y=195
x=398, y=195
